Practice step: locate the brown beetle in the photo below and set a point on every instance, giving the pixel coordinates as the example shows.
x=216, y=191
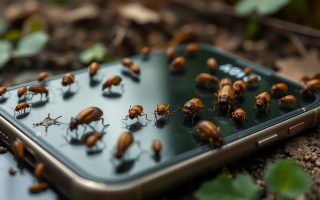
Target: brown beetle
x=93, y=139
x=112, y=80
x=39, y=170
x=210, y=131
x=21, y=108
x=239, y=115
x=225, y=81
x=170, y=53
x=38, y=187
x=38, y=89
x=279, y=88
x=127, y=62
x=224, y=97
x=3, y=91
x=68, y=79
x=18, y=148
x=22, y=92
x=134, y=69
x=156, y=147
x=212, y=64
x=178, y=63
x=124, y=143
x=145, y=51
x=205, y=79
x=93, y=69
x=288, y=100
x=311, y=86
x=192, y=107
x=86, y=116
x=162, y=109
x=135, y=112
x=263, y=101
x=192, y=48
x=248, y=70
x=43, y=76
x=252, y=79
x=239, y=87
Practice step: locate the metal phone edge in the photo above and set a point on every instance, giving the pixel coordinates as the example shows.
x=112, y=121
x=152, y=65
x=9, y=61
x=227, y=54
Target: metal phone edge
x=76, y=187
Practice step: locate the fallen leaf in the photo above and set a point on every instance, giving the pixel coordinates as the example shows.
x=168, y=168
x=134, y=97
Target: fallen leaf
x=85, y=12
x=140, y=14
x=295, y=68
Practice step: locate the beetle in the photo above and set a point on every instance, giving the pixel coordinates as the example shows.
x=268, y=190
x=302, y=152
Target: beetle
x=39, y=170
x=3, y=91
x=192, y=107
x=124, y=142
x=248, y=70
x=311, y=86
x=162, y=109
x=134, y=112
x=179, y=63
x=239, y=115
x=127, y=62
x=252, y=79
x=263, y=101
x=224, y=97
x=156, y=147
x=93, y=139
x=22, y=92
x=288, y=100
x=192, y=49
x=85, y=117
x=68, y=79
x=239, y=87
x=134, y=69
x=112, y=80
x=279, y=88
x=18, y=148
x=38, y=187
x=170, y=53
x=21, y=107
x=211, y=131
x=145, y=51
x=43, y=76
x=205, y=79
x=212, y=64
x=225, y=81
x=38, y=89
x=93, y=69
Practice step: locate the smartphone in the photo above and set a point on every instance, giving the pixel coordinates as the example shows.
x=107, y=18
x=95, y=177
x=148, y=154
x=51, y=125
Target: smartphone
x=82, y=173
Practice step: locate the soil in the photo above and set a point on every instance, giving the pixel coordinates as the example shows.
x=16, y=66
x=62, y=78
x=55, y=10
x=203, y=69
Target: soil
x=77, y=25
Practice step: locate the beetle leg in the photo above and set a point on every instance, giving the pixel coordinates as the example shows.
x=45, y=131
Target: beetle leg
x=126, y=117
x=146, y=117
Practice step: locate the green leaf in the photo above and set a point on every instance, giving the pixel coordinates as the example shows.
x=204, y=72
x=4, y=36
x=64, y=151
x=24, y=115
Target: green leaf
x=5, y=51
x=263, y=7
x=12, y=35
x=287, y=179
x=96, y=52
x=31, y=45
x=224, y=188
x=3, y=27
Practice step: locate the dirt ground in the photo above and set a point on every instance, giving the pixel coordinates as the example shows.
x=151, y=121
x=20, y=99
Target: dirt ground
x=75, y=26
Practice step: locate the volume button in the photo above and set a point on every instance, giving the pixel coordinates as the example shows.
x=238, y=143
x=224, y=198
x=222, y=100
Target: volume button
x=267, y=140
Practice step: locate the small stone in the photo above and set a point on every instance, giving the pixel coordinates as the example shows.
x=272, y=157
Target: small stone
x=12, y=171
x=317, y=162
x=307, y=157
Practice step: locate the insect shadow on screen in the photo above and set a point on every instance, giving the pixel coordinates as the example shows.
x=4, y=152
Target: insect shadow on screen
x=130, y=75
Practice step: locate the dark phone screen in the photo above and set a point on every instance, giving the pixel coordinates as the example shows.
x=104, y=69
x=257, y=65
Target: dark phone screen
x=156, y=84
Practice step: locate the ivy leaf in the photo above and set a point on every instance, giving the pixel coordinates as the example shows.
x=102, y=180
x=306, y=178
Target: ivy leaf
x=287, y=178
x=31, y=45
x=263, y=7
x=224, y=188
x=96, y=52
x=5, y=51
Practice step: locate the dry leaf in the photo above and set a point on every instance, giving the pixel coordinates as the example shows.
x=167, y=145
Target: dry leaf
x=295, y=68
x=140, y=14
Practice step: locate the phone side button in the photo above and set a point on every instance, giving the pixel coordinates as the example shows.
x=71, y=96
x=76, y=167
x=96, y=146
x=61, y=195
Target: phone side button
x=267, y=140
x=296, y=128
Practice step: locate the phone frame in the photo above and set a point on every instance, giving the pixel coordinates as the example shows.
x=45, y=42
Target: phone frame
x=75, y=184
